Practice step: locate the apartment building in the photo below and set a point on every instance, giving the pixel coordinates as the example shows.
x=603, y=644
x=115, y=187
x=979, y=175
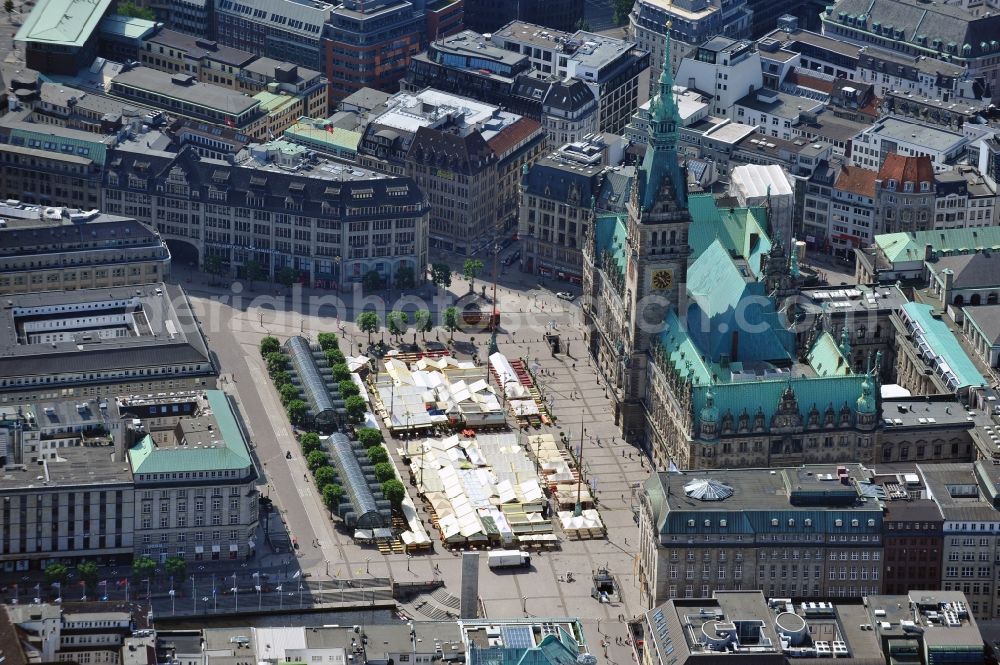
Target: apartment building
x=466, y=156
x=806, y=531
x=904, y=194
x=277, y=207
x=53, y=249
x=86, y=343
x=195, y=493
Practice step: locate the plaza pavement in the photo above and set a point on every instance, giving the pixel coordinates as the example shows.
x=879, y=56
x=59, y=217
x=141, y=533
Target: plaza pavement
x=577, y=399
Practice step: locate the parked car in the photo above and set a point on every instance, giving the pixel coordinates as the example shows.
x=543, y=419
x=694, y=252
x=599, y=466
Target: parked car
x=566, y=295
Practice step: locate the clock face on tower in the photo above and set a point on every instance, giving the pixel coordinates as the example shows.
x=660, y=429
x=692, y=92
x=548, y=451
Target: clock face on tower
x=663, y=279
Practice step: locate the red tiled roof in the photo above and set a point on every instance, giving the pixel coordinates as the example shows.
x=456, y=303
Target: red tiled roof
x=906, y=169
x=513, y=135
x=857, y=180
x=811, y=82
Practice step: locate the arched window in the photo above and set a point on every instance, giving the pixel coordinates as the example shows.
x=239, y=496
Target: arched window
x=991, y=299
x=959, y=301
x=974, y=300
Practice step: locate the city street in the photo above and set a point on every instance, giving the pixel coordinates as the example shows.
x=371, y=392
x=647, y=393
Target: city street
x=577, y=398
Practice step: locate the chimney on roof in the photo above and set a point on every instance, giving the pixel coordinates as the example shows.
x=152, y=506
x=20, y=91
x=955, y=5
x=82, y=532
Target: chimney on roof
x=928, y=252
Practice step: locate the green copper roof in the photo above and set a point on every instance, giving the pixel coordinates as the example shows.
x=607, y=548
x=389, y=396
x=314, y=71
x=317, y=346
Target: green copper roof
x=147, y=457
x=821, y=391
x=941, y=341
x=63, y=22
x=682, y=352
x=910, y=246
x=826, y=359
x=610, y=236
x=740, y=230
x=715, y=282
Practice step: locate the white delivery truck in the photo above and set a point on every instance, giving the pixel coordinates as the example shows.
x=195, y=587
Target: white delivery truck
x=508, y=559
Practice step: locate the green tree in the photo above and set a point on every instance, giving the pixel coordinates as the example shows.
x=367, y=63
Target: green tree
x=253, y=271
x=328, y=341
x=422, y=324
x=288, y=393
x=310, y=442
x=369, y=436
x=87, y=570
x=269, y=345
x=334, y=357
x=356, y=409
x=129, y=8
x=368, y=323
x=213, y=264
x=296, y=410
x=470, y=270
x=341, y=372
x=622, y=10
x=451, y=321
x=397, y=322
x=143, y=567
x=176, y=567
x=384, y=472
x=316, y=459
x=377, y=454
x=372, y=281
x=286, y=276
x=276, y=361
x=324, y=475
x=332, y=494
x=404, y=278
x=348, y=388
x=56, y=573
x=280, y=378
x=394, y=492
x=441, y=274
x=8, y=6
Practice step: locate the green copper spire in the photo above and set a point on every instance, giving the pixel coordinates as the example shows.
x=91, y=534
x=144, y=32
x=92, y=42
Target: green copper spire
x=661, y=154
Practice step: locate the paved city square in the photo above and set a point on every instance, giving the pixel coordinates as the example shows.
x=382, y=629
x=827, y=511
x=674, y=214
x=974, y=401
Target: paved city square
x=576, y=396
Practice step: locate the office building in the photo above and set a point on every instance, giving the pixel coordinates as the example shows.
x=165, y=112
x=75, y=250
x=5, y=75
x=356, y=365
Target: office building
x=913, y=535
x=520, y=64
x=369, y=44
x=49, y=165
x=276, y=207
x=195, y=494
x=790, y=532
x=62, y=36
x=486, y=17
x=81, y=507
x=72, y=630
x=966, y=496
x=904, y=194
x=184, y=53
x=913, y=29
x=193, y=17
x=901, y=256
x=725, y=69
x=614, y=69
x=691, y=24
x=908, y=138
x=464, y=155
x=98, y=342
x=54, y=249
x=852, y=220
x=921, y=626
x=284, y=30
